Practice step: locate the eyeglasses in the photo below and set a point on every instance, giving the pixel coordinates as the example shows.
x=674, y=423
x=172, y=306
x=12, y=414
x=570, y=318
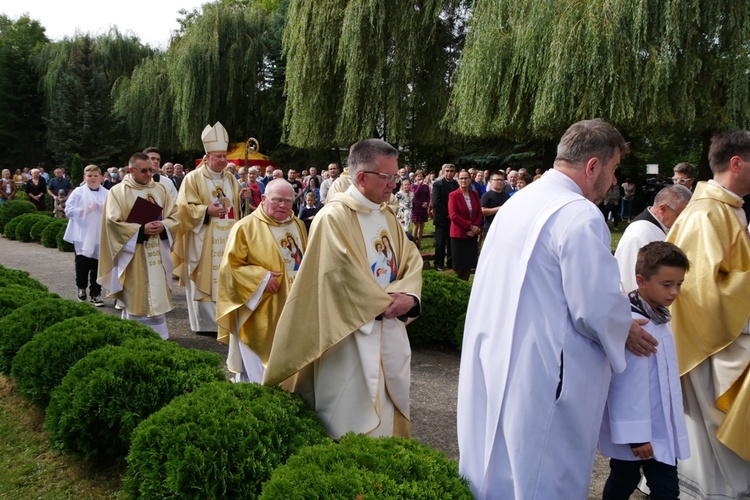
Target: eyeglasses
x=681, y=180
x=464, y=178
x=144, y=170
x=388, y=177
x=279, y=200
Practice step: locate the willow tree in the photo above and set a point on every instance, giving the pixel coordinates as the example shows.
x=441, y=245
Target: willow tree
x=221, y=65
x=358, y=68
x=529, y=69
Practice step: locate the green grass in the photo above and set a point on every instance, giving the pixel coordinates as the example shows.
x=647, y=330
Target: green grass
x=28, y=466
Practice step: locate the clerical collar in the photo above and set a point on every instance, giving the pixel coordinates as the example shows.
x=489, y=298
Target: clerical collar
x=714, y=183
x=354, y=193
x=215, y=175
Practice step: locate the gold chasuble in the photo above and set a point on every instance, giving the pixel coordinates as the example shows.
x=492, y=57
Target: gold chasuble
x=197, y=254
x=137, y=274
x=711, y=313
x=257, y=245
x=332, y=316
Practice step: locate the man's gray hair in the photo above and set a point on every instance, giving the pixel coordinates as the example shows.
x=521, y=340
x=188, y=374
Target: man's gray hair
x=364, y=153
x=685, y=168
x=588, y=139
x=673, y=196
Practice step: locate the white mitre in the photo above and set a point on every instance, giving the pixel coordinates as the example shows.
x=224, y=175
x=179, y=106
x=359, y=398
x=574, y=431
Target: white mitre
x=215, y=139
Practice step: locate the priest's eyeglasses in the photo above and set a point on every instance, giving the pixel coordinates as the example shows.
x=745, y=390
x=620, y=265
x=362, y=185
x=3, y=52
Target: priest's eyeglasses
x=145, y=170
x=279, y=200
x=389, y=178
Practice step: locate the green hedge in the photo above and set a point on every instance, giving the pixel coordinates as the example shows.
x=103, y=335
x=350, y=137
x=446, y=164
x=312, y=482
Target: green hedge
x=21, y=325
x=36, y=229
x=221, y=441
x=25, y=223
x=41, y=364
x=105, y=395
x=13, y=296
x=444, y=302
x=63, y=245
x=49, y=234
x=18, y=277
x=11, y=226
x=12, y=209
x=364, y=467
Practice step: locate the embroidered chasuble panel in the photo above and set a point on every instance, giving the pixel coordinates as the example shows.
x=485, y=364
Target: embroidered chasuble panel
x=220, y=226
x=378, y=242
x=288, y=239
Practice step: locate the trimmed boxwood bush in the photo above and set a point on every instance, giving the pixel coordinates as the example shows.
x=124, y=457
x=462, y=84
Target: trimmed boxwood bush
x=363, y=467
x=18, y=277
x=13, y=296
x=10, y=227
x=63, y=245
x=39, y=226
x=49, y=234
x=41, y=364
x=12, y=209
x=25, y=223
x=20, y=326
x=444, y=300
x=221, y=441
x=106, y=395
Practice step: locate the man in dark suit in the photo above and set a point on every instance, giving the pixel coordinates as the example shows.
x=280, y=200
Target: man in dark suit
x=441, y=188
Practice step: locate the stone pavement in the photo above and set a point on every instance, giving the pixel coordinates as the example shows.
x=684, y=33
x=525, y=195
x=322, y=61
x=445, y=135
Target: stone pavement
x=434, y=373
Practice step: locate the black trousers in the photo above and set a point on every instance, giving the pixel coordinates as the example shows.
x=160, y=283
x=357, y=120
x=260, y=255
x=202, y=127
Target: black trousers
x=442, y=242
x=86, y=269
x=624, y=476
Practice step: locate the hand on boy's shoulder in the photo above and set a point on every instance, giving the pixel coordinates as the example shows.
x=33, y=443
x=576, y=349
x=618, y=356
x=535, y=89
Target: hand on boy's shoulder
x=640, y=342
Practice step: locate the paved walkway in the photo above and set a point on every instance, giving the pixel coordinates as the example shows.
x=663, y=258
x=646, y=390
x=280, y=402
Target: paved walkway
x=434, y=374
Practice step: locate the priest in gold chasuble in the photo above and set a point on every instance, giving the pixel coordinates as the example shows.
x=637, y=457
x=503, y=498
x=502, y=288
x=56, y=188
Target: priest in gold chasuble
x=262, y=257
x=208, y=205
x=341, y=339
x=711, y=327
x=135, y=264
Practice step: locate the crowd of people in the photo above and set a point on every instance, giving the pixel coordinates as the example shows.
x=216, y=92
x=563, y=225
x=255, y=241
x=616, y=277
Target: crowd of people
x=311, y=278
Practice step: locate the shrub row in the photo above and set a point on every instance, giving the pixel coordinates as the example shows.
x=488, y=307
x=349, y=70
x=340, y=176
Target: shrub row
x=114, y=388
x=19, y=220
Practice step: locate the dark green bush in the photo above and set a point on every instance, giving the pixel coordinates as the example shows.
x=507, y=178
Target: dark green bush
x=363, y=467
x=63, y=245
x=20, y=326
x=105, y=395
x=39, y=226
x=12, y=209
x=18, y=277
x=458, y=333
x=221, y=441
x=41, y=364
x=10, y=227
x=24, y=225
x=13, y=296
x=49, y=234
x=444, y=299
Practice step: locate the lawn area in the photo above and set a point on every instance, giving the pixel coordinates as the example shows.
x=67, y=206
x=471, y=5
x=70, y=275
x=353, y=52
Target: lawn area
x=30, y=469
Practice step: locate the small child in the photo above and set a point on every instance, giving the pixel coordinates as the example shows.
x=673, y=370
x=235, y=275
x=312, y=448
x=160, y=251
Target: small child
x=644, y=422
x=85, y=207
x=59, y=210
x=405, y=201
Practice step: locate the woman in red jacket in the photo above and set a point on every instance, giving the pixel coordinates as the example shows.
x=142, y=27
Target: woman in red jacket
x=465, y=212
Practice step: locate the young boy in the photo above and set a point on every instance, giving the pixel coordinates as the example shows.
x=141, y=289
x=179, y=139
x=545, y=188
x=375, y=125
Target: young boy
x=644, y=423
x=84, y=208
